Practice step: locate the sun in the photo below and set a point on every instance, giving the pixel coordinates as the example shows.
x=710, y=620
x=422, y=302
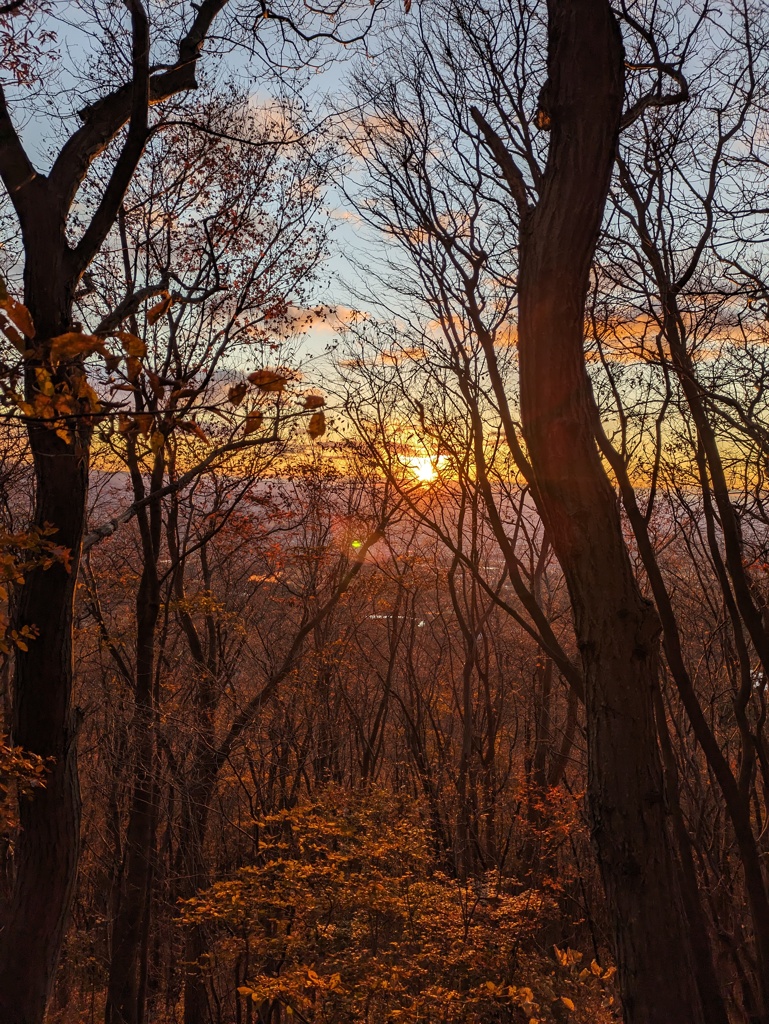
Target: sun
x=425, y=468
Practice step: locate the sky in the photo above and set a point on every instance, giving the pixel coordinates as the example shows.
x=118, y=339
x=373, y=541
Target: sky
x=48, y=117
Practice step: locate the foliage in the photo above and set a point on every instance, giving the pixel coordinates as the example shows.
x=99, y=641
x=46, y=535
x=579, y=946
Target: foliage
x=345, y=918
x=19, y=554
x=21, y=770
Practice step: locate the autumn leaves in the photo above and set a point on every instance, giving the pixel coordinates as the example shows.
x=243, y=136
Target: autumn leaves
x=60, y=394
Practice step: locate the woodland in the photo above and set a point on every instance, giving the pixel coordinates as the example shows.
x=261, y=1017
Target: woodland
x=384, y=522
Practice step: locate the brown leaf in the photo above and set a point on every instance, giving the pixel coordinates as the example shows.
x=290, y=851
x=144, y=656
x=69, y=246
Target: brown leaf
x=133, y=367
x=314, y=402
x=317, y=425
x=155, y=383
x=73, y=344
x=237, y=393
x=18, y=315
x=254, y=422
x=268, y=380
x=132, y=345
x=15, y=338
x=193, y=428
x=145, y=420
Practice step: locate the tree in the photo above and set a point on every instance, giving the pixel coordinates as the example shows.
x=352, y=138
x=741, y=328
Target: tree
x=58, y=250
x=557, y=212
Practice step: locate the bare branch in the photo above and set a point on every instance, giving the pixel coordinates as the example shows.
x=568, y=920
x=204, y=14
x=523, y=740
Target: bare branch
x=112, y=525
x=510, y=170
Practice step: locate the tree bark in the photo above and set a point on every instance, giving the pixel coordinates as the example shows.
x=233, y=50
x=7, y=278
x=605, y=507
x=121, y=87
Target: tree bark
x=617, y=630
x=126, y=987
x=44, y=721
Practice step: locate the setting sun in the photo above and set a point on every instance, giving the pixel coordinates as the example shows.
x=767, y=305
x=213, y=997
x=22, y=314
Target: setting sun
x=425, y=468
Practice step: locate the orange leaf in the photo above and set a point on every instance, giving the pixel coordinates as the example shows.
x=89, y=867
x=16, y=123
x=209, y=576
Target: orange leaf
x=159, y=309
x=18, y=315
x=314, y=402
x=132, y=346
x=73, y=344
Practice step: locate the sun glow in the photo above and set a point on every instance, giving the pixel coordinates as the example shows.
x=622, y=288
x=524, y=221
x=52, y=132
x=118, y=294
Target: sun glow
x=425, y=468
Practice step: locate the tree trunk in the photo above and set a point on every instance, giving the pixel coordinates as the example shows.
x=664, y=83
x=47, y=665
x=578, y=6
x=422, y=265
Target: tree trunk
x=126, y=989
x=126, y=985
x=44, y=723
x=617, y=630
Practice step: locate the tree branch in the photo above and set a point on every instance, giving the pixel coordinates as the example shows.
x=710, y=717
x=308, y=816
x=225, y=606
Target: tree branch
x=655, y=98
x=107, y=529
x=136, y=139
x=128, y=306
x=103, y=119
x=16, y=168
x=510, y=170
x=247, y=715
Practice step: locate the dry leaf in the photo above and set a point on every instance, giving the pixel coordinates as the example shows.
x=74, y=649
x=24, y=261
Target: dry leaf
x=18, y=315
x=132, y=345
x=317, y=425
x=73, y=344
x=254, y=422
x=159, y=309
x=268, y=380
x=157, y=388
x=133, y=367
x=145, y=421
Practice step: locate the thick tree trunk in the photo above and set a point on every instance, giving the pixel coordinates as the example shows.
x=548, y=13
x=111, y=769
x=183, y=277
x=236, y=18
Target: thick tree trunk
x=47, y=849
x=45, y=864
x=617, y=630
x=127, y=984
